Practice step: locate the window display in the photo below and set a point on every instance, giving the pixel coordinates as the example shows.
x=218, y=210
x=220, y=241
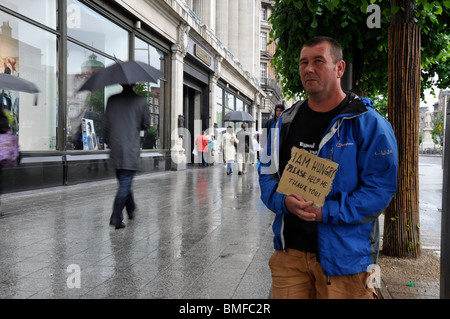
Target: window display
x=42, y=11
x=30, y=53
x=154, y=92
x=85, y=105
x=94, y=31
x=91, y=28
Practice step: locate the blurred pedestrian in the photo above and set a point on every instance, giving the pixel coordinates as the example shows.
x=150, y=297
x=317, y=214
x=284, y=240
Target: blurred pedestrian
x=279, y=108
x=243, y=149
x=211, y=149
x=254, y=152
x=4, y=127
x=202, y=149
x=126, y=115
x=229, y=144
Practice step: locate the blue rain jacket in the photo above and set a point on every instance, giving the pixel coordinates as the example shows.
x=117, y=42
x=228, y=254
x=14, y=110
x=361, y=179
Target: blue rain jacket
x=363, y=143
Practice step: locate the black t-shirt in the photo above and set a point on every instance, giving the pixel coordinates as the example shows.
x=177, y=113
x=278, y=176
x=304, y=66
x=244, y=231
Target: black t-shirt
x=306, y=132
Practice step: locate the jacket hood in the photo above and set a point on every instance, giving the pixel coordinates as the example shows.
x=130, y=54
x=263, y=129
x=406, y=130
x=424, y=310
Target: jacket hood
x=279, y=106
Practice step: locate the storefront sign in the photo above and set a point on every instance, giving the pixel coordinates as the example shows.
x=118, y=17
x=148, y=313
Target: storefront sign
x=308, y=175
x=202, y=54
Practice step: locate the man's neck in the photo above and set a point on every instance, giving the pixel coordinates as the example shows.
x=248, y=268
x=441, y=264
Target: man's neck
x=326, y=104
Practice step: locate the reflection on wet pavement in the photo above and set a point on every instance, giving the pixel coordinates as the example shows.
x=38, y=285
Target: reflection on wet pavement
x=198, y=233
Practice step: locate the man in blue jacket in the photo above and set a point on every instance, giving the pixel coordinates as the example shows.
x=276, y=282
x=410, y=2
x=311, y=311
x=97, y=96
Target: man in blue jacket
x=328, y=251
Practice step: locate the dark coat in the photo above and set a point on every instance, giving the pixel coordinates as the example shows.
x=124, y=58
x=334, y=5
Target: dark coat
x=4, y=123
x=126, y=115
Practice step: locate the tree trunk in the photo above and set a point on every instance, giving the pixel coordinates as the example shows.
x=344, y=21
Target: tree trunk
x=401, y=226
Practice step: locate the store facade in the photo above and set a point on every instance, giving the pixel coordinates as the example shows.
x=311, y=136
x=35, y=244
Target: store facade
x=58, y=44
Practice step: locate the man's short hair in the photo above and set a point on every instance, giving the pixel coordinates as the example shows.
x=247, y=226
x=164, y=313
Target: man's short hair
x=336, y=48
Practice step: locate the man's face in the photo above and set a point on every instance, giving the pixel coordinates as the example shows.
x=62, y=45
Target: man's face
x=278, y=112
x=318, y=72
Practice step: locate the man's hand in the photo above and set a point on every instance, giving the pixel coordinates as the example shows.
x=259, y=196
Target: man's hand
x=296, y=205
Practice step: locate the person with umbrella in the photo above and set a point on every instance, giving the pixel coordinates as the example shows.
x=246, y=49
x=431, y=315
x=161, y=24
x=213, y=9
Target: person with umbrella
x=243, y=149
x=126, y=115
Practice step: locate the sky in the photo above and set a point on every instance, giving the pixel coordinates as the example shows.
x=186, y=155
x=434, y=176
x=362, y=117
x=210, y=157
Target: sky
x=430, y=99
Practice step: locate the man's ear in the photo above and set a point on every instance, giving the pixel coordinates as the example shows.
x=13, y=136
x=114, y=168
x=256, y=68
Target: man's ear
x=340, y=66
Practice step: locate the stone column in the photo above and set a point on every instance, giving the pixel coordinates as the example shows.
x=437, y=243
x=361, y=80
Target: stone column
x=205, y=10
x=256, y=111
x=233, y=27
x=222, y=21
x=246, y=39
x=213, y=89
x=179, y=51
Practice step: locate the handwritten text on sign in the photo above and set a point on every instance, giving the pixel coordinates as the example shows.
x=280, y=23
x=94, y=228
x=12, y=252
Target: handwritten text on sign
x=308, y=176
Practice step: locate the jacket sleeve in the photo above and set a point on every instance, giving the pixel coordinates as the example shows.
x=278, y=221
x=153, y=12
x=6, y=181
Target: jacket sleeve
x=235, y=139
x=268, y=175
x=377, y=166
x=106, y=126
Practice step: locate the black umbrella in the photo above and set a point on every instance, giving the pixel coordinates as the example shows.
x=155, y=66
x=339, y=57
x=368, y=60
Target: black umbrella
x=11, y=82
x=238, y=116
x=127, y=73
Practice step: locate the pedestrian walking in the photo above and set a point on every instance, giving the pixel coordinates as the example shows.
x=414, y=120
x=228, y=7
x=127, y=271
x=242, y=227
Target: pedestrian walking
x=126, y=115
x=243, y=149
x=212, y=145
x=325, y=252
x=202, y=149
x=279, y=108
x=229, y=144
x=254, y=152
x=4, y=127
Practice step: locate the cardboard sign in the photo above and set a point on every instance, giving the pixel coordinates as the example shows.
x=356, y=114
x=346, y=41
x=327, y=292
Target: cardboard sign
x=308, y=175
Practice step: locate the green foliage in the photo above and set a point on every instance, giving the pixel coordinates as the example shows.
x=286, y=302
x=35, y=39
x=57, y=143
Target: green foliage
x=97, y=101
x=295, y=21
x=153, y=130
x=438, y=132
x=380, y=103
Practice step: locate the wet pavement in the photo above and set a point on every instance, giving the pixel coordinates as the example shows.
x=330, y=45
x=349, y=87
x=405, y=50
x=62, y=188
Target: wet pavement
x=198, y=234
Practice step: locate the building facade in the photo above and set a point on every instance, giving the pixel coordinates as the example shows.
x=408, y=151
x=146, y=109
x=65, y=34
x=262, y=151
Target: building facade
x=269, y=82
x=208, y=51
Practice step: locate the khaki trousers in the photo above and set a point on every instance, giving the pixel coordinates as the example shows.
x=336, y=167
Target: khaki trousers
x=298, y=275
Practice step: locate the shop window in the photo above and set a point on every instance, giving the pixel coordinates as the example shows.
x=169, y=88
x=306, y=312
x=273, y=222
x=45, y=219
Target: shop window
x=219, y=108
x=91, y=28
x=29, y=52
x=85, y=109
x=154, y=92
x=42, y=11
x=229, y=101
x=239, y=105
